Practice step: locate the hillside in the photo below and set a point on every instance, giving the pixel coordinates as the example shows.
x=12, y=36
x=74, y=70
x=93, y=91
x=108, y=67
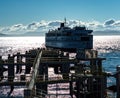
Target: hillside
x=34, y=34
x=106, y=32
x=2, y=35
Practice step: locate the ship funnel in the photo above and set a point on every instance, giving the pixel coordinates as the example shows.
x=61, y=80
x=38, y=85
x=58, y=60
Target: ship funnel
x=61, y=25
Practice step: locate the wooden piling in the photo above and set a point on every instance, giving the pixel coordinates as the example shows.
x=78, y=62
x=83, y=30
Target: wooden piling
x=28, y=63
x=93, y=66
x=10, y=68
x=39, y=61
x=43, y=76
x=28, y=93
x=65, y=69
x=118, y=81
x=1, y=68
x=99, y=63
x=19, y=60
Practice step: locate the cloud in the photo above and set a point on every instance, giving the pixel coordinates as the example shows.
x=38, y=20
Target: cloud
x=72, y=23
x=94, y=25
x=33, y=26
x=37, y=26
x=117, y=23
x=110, y=22
x=17, y=27
x=54, y=23
x=1, y=29
x=44, y=26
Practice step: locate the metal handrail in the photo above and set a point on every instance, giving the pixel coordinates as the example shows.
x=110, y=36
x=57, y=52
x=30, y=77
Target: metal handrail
x=35, y=70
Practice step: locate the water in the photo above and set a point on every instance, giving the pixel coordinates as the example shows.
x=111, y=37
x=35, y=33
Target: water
x=107, y=46
x=10, y=45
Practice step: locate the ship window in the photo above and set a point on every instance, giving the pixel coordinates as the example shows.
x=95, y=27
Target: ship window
x=85, y=38
x=68, y=33
x=51, y=34
x=58, y=34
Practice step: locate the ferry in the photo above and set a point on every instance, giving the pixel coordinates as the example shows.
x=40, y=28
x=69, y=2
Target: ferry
x=69, y=39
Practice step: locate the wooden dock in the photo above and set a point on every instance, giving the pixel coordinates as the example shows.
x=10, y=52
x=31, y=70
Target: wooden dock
x=84, y=79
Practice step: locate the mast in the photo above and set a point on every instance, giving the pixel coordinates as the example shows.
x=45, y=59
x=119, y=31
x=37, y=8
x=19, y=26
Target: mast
x=65, y=20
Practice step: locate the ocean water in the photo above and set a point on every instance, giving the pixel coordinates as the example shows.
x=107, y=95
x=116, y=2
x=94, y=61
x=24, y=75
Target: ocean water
x=10, y=45
x=107, y=46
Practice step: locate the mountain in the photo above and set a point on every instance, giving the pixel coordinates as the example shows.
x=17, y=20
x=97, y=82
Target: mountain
x=104, y=32
x=2, y=35
x=107, y=32
x=25, y=34
x=34, y=34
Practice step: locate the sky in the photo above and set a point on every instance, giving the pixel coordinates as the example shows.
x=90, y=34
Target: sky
x=19, y=16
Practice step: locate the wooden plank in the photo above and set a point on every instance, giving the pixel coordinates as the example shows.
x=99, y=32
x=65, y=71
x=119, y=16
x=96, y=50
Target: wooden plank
x=21, y=83
x=88, y=59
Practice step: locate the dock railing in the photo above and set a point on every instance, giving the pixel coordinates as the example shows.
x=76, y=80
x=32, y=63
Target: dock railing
x=30, y=87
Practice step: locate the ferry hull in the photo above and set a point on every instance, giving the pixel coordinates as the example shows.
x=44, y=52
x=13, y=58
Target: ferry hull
x=69, y=46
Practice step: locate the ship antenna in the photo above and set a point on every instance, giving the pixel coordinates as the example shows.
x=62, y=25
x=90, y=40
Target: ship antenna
x=79, y=23
x=65, y=20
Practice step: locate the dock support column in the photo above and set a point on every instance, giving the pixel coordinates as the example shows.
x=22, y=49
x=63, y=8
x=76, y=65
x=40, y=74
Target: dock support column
x=78, y=87
x=2, y=68
x=79, y=68
x=93, y=66
x=19, y=60
x=46, y=78
x=99, y=63
x=104, y=82
x=10, y=68
x=41, y=89
x=46, y=72
x=71, y=87
x=65, y=69
x=11, y=72
x=28, y=66
x=27, y=93
x=118, y=81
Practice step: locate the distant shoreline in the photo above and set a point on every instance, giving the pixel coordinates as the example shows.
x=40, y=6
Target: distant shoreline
x=44, y=35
